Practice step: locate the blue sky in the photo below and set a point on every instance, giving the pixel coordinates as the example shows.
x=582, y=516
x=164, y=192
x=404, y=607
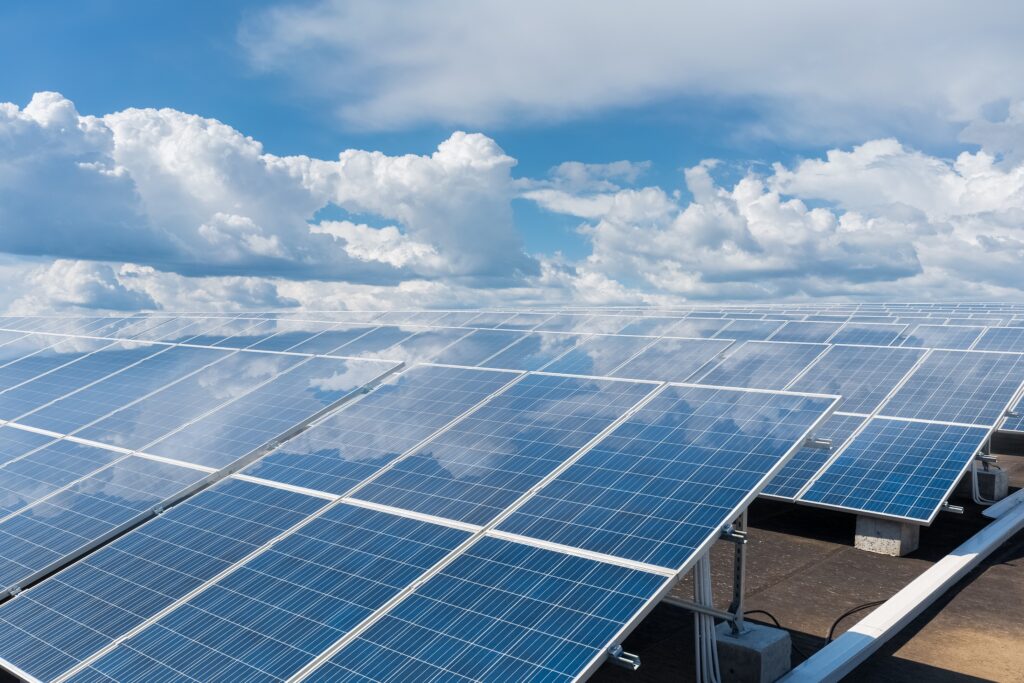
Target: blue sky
x=835, y=132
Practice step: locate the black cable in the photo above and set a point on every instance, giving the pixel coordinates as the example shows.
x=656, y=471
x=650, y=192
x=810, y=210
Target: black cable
x=858, y=608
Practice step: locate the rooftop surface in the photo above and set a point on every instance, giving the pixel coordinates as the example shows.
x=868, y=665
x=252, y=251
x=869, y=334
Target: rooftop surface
x=803, y=569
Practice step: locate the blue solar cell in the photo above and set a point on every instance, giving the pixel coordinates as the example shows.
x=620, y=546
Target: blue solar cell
x=58, y=623
x=35, y=354
x=53, y=385
x=959, y=386
x=898, y=468
x=868, y=333
x=478, y=347
x=289, y=334
x=813, y=332
x=26, y=480
x=654, y=326
x=277, y=612
x=500, y=612
x=145, y=421
x=533, y=351
x=356, y=442
x=672, y=360
x=522, y=321
x=455, y=318
x=802, y=467
x=698, y=327
x=424, y=346
x=374, y=342
x=268, y=411
x=862, y=375
x=76, y=517
x=599, y=355
x=487, y=460
x=239, y=333
x=1002, y=339
x=742, y=330
x=334, y=338
x=569, y=322
x=762, y=365
x=89, y=404
x=15, y=443
x=663, y=483
x=489, y=319
x=942, y=336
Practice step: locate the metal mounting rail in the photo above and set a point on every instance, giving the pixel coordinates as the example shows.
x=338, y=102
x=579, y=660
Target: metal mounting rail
x=845, y=653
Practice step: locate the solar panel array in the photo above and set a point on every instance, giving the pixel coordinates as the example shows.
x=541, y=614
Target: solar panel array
x=507, y=510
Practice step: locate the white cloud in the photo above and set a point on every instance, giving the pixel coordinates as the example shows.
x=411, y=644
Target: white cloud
x=810, y=68
x=183, y=193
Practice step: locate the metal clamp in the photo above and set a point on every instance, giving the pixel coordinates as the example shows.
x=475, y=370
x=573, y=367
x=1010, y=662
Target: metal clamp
x=957, y=509
x=733, y=535
x=619, y=657
x=818, y=443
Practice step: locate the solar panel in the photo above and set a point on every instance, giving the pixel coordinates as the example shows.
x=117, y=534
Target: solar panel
x=698, y=327
x=742, y=330
x=862, y=375
x=959, y=386
x=489, y=319
x=898, y=468
x=51, y=627
x=659, y=488
x=75, y=517
x=487, y=460
x=145, y=421
x=598, y=355
x=36, y=354
x=762, y=365
x=500, y=611
x=812, y=332
x=88, y=404
x=278, y=611
x=375, y=341
x=422, y=347
x=942, y=336
x=802, y=467
x=269, y=411
x=356, y=442
x=14, y=443
x=652, y=326
x=567, y=322
x=523, y=321
x=478, y=347
x=1001, y=339
x=673, y=360
x=868, y=333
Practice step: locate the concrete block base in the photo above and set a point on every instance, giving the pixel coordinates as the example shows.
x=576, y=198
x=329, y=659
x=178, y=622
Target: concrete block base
x=759, y=655
x=993, y=484
x=886, y=537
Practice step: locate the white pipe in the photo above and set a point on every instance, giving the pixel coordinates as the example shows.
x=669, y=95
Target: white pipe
x=841, y=656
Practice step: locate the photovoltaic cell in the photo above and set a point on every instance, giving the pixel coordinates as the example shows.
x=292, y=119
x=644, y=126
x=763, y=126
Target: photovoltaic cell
x=375, y=342
x=897, y=468
x=424, y=346
x=74, y=518
x=808, y=460
x=698, y=327
x=653, y=326
x=660, y=486
x=145, y=421
x=28, y=479
x=812, y=332
x=533, y=351
x=523, y=321
x=672, y=360
x=868, y=333
x=598, y=355
x=500, y=612
x=35, y=354
x=487, y=460
x=478, y=347
x=58, y=623
x=366, y=435
x=762, y=365
x=742, y=330
x=15, y=443
x=89, y=404
x=329, y=340
x=959, y=386
x=862, y=375
x=268, y=411
x=1002, y=339
x=273, y=615
x=942, y=336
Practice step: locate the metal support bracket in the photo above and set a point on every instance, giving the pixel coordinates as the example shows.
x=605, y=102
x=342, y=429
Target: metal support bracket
x=818, y=443
x=957, y=509
x=739, y=571
x=619, y=657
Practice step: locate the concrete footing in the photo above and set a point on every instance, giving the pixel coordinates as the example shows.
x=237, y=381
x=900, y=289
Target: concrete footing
x=886, y=537
x=760, y=654
x=993, y=484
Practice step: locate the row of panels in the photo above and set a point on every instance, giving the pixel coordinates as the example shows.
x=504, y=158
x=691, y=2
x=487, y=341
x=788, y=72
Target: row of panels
x=971, y=388
x=470, y=510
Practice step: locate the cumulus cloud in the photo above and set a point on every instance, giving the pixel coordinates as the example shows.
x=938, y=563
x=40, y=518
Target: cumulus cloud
x=191, y=195
x=481, y=63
